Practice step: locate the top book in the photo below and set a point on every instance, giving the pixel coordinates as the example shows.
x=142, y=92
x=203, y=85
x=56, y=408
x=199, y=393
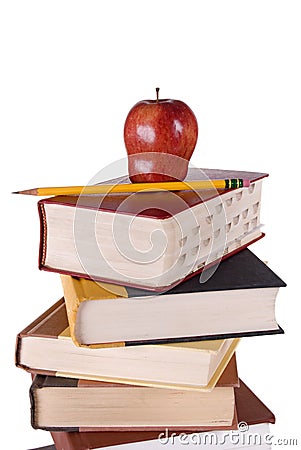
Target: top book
x=151, y=240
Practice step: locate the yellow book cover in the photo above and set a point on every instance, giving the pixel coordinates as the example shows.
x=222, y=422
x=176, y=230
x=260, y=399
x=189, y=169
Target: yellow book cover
x=78, y=290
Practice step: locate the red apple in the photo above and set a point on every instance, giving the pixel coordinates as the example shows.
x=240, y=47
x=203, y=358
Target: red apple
x=160, y=137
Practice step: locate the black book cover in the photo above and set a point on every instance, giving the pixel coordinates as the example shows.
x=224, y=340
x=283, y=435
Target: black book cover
x=244, y=270
x=48, y=447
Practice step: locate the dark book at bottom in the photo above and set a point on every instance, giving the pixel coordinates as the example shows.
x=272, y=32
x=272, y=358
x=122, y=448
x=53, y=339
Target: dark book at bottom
x=250, y=410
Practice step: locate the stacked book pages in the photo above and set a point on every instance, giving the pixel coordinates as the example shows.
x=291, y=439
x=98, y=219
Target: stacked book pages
x=158, y=288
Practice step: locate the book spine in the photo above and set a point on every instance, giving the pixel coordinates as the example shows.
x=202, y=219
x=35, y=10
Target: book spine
x=18, y=352
x=40, y=382
x=43, y=234
x=32, y=407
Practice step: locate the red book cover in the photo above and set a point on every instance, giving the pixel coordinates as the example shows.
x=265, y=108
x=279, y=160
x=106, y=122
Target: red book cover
x=151, y=240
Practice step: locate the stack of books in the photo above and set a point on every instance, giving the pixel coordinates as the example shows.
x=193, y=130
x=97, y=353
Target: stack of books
x=158, y=289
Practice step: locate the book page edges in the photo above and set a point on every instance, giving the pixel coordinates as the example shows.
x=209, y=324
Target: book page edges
x=209, y=387
x=157, y=288
x=33, y=329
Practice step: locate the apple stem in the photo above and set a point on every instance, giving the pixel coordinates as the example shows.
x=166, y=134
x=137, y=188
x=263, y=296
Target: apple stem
x=157, y=93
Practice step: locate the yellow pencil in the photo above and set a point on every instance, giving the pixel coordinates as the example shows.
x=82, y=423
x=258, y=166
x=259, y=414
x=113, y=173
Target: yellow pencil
x=231, y=183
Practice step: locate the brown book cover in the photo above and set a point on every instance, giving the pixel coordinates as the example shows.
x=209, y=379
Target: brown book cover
x=54, y=321
x=163, y=271
x=51, y=328
x=228, y=380
x=249, y=409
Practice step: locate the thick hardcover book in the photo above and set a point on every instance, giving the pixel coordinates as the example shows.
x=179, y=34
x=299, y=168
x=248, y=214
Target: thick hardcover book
x=249, y=408
x=46, y=347
x=151, y=240
x=238, y=298
x=72, y=404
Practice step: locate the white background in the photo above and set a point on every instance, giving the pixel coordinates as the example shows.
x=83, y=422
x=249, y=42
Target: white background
x=70, y=72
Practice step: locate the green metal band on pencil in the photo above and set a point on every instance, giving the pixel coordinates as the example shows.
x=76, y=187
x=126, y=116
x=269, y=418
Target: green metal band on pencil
x=234, y=183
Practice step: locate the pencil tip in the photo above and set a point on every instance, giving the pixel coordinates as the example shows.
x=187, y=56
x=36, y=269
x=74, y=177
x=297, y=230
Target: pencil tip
x=26, y=192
